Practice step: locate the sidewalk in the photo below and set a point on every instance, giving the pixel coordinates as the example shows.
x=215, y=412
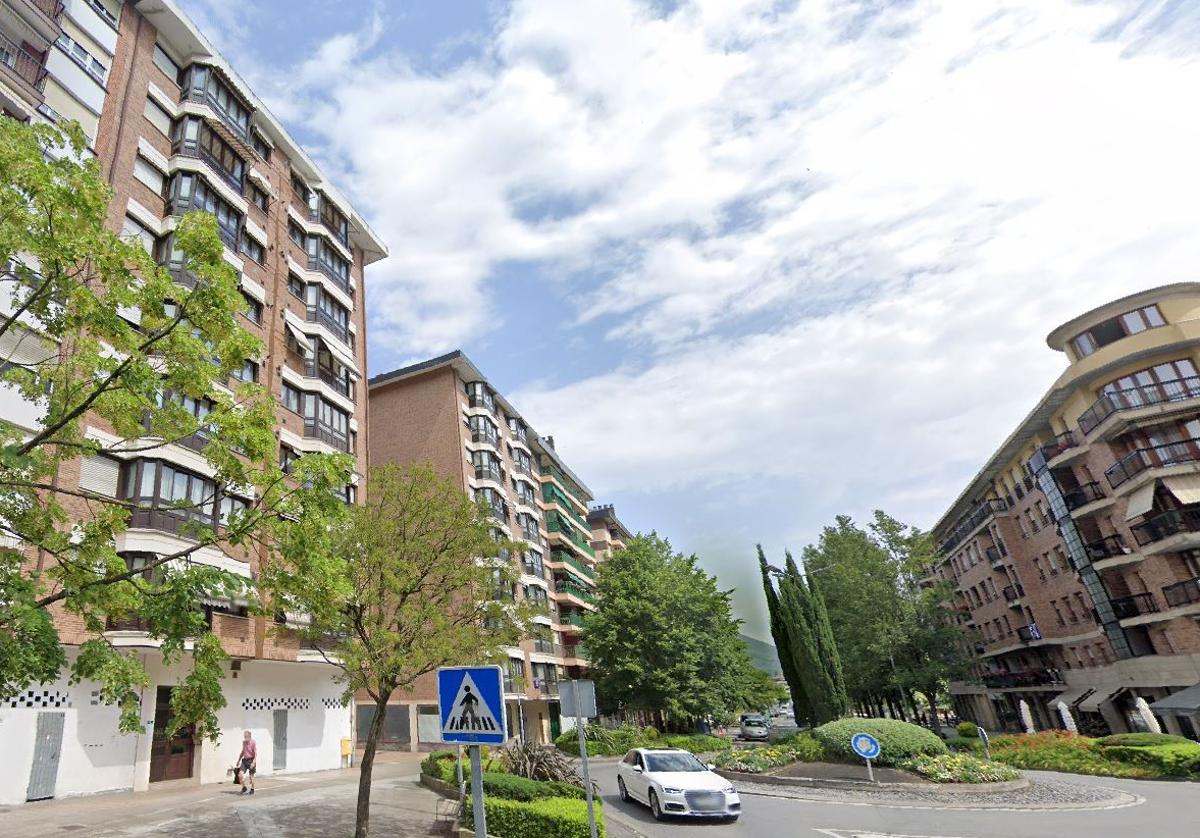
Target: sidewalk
x=316, y=805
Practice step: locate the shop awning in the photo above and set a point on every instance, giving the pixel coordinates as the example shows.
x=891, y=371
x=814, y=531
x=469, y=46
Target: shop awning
x=1184, y=701
x=1141, y=501
x=1071, y=696
x=1185, y=487
x=1092, y=703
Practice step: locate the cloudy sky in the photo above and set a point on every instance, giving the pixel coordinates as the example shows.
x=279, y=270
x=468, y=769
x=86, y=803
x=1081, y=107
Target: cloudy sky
x=753, y=263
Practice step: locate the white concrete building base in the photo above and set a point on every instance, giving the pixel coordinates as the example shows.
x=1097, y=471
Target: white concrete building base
x=95, y=757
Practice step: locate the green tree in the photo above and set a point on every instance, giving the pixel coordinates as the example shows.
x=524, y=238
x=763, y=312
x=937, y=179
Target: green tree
x=407, y=585
x=663, y=641
x=94, y=333
x=783, y=643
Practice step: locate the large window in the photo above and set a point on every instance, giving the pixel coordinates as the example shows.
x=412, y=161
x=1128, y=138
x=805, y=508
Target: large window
x=188, y=191
x=1167, y=381
x=322, y=420
x=324, y=258
x=324, y=309
x=1115, y=328
x=487, y=466
x=479, y=395
x=484, y=429
x=168, y=497
x=202, y=82
x=334, y=221
x=192, y=136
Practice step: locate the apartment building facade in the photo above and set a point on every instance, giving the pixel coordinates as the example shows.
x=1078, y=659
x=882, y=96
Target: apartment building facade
x=1074, y=553
x=445, y=412
x=175, y=129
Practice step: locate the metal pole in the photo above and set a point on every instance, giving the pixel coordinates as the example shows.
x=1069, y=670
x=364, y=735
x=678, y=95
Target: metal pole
x=462, y=787
x=477, y=793
x=587, y=777
x=870, y=773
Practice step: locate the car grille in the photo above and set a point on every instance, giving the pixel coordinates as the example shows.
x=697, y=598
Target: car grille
x=705, y=801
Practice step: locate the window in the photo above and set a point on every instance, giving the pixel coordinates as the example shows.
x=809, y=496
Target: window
x=147, y=174
x=203, y=82
x=483, y=429
x=1115, y=328
x=82, y=57
x=253, y=249
x=322, y=256
x=248, y=372
x=349, y=494
x=136, y=229
x=192, y=136
x=254, y=309
x=287, y=458
x=295, y=233
x=176, y=493
x=261, y=147
x=334, y=221
x=189, y=191
x=258, y=197
x=324, y=309
x=167, y=64
x=159, y=118
x=296, y=286
x=291, y=398
x=479, y=395
x=230, y=508
x=301, y=188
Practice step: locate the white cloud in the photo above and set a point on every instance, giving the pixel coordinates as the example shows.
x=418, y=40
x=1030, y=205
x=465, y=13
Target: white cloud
x=826, y=241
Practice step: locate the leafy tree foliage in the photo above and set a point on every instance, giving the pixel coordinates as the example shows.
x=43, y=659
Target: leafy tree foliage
x=405, y=587
x=664, y=640
x=95, y=334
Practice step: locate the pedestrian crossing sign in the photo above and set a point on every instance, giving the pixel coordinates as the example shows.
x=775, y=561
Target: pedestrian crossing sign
x=471, y=704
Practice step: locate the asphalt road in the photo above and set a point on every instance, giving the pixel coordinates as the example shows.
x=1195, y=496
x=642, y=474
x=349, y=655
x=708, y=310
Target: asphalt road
x=1169, y=810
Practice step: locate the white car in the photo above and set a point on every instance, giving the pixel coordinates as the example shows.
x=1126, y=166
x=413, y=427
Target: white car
x=673, y=782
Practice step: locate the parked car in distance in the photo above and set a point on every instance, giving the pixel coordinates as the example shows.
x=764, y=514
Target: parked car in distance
x=673, y=782
x=755, y=727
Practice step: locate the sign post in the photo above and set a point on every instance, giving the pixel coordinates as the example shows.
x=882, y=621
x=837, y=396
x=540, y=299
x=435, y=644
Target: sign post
x=471, y=708
x=987, y=745
x=867, y=747
x=578, y=699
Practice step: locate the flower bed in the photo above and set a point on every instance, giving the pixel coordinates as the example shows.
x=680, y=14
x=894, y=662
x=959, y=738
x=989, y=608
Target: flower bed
x=799, y=748
x=1062, y=751
x=959, y=768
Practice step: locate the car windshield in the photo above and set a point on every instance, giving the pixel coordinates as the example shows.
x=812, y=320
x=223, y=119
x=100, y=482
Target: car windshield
x=754, y=723
x=673, y=762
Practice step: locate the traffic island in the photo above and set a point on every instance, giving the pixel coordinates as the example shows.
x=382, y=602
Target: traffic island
x=828, y=775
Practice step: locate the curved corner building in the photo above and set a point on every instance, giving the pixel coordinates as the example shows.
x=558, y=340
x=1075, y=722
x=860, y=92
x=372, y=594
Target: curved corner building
x=1075, y=551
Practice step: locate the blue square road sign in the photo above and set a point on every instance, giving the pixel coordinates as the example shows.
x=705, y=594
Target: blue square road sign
x=471, y=705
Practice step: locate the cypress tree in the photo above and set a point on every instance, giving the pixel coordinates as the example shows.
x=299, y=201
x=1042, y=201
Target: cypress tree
x=797, y=614
x=783, y=644
x=828, y=650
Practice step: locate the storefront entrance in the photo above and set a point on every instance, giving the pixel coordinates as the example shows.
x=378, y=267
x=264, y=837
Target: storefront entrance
x=171, y=757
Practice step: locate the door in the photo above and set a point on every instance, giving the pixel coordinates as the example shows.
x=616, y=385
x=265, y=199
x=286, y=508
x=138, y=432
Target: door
x=555, y=721
x=279, y=758
x=43, y=774
x=171, y=756
x=640, y=784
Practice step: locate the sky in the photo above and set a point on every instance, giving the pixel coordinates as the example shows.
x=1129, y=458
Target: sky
x=753, y=263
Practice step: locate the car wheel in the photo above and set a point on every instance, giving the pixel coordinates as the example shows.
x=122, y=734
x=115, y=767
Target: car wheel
x=621, y=791
x=656, y=807
x=732, y=819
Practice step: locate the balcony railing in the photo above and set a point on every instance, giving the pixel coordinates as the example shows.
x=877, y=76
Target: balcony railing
x=967, y=525
x=1029, y=633
x=576, y=650
x=1178, y=389
x=1131, y=606
x=315, y=430
x=1137, y=461
x=1106, y=548
x=1182, y=593
x=339, y=383
x=555, y=523
x=1184, y=519
x=1012, y=593
x=545, y=687
x=547, y=647
x=1063, y=442
x=567, y=587
x=552, y=494
x=318, y=315
x=1083, y=495
x=1028, y=678
x=570, y=618
x=584, y=570
x=25, y=66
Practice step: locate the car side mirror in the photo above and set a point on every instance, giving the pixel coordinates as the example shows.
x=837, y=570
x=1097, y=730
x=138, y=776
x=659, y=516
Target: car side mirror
x=637, y=769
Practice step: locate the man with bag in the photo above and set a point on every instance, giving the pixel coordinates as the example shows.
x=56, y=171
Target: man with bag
x=247, y=763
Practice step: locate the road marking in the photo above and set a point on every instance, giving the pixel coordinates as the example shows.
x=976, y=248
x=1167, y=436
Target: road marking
x=854, y=833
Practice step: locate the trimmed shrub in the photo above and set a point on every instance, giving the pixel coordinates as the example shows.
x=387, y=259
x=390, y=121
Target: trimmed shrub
x=897, y=740
x=959, y=768
x=1172, y=760
x=1061, y=751
x=697, y=743
x=650, y=732
x=615, y=742
x=967, y=730
x=555, y=816
x=1141, y=740
x=964, y=743
x=512, y=787
x=799, y=748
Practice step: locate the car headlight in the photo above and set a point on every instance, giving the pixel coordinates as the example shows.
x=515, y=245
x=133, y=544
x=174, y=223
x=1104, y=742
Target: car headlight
x=669, y=790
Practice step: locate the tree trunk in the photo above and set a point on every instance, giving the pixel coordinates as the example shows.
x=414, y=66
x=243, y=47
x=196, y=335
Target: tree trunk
x=362, y=814
x=931, y=697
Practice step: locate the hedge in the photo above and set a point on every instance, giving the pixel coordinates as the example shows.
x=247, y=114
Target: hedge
x=897, y=740
x=1173, y=760
x=440, y=766
x=967, y=730
x=615, y=742
x=1141, y=740
x=554, y=816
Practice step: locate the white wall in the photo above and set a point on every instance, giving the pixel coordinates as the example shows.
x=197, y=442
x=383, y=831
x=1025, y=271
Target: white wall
x=97, y=758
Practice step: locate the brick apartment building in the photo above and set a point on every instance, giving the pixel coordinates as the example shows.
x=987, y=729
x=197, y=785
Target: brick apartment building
x=443, y=411
x=1075, y=551
x=175, y=129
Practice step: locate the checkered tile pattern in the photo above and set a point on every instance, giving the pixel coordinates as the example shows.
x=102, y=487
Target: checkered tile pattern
x=274, y=703
x=36, y=699
x=332, y=703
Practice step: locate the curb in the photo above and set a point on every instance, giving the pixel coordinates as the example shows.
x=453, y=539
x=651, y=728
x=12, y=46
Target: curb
x=950, y=789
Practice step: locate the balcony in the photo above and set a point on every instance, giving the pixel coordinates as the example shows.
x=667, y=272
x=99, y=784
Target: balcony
x=321, y=317
x=1060, y=444
x=340, y=383
x=1108, y=547
x=1133, y=606
x=1177, y=390
x=546, y=687
x=483, y=401
x=1083, y=495
x=578, y=591
x=574, y=564
x=1028, y=678
x=994, y=555
x=575, y=650
x=1159, y=456
x=546, y=647
x=557, y=524
x=514, y=684
x=489, y=472
x=331, y=273
x=570, y=618
x=1182, y=593
x=315, y=430
x=552, y=494
x=1175, y=522
x=1029, y=633
x=972, y=522
x=1012, y=595
x=24, y=68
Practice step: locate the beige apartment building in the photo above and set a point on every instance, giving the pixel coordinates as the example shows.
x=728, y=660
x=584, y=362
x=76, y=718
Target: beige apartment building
x=176, y=129
x=445, y=412
x=1075, y=551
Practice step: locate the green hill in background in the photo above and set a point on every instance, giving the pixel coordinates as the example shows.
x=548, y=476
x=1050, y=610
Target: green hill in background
x=763, y=656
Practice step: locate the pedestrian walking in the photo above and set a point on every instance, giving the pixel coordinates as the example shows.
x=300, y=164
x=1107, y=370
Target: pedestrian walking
x=248, y=762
